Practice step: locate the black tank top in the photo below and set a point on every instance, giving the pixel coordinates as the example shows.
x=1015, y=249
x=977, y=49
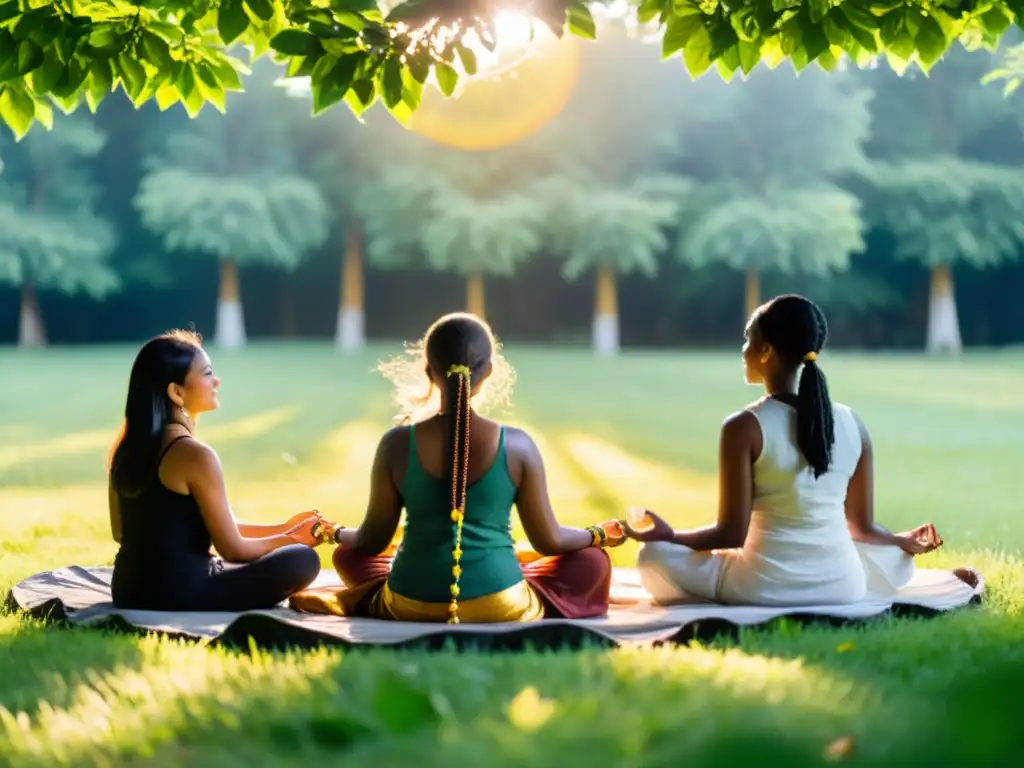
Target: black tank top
x=165, y=545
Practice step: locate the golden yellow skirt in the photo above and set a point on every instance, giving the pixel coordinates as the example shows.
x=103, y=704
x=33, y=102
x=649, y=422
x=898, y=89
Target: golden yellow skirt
x=517, y=603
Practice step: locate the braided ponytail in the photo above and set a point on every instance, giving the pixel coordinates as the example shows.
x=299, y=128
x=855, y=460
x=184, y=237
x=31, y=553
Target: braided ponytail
x=796, y=328
x=459, y=391
x=815, y=427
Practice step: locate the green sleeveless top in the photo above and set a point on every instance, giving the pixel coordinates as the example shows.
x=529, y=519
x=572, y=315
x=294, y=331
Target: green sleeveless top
x=423, y=564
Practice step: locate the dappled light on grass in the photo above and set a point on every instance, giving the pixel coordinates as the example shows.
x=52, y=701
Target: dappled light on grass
x=95, y=440
x=683, y=497
x=332, y=475
x=783, y=696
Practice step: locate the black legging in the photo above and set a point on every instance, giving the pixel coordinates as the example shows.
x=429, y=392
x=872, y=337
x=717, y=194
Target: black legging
x=262, y=583
x=220, y=586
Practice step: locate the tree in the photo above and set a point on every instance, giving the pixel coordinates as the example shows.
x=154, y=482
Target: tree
x=50, y=235
x=613, y=229
x=349, y=159
x=769, y=167
x=226, y=186
x=942, y=206
x=419, y=212
x=178, y=50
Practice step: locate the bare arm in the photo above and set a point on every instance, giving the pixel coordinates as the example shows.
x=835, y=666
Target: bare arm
x=384, y=511
x=114, y=505
x=860, y=498
x=205, y=480
x=545, y=533
x=738, y=448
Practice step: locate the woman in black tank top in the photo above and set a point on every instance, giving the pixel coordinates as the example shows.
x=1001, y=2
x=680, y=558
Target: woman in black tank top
x=168, y=505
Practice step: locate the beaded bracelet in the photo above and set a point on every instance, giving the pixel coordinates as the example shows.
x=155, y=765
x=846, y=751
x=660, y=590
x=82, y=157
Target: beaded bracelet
x=598, y=537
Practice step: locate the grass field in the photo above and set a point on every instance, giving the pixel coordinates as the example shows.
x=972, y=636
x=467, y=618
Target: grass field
x=297, y=430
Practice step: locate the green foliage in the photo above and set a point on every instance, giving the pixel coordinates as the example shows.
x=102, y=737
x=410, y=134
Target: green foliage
x=621, y=226
x=769, y=198
x=811, y=229
x=417, y=212
x=179, y=51
x=942, y=210
x=941, y=114
x=227, y=185
x=50, y=235
x=253, y=218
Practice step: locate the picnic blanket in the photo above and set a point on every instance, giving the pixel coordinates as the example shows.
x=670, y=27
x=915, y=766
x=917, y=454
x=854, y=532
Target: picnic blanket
x=81, y=596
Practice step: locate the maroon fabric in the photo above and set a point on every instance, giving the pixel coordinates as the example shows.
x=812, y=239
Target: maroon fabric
x=572, y=586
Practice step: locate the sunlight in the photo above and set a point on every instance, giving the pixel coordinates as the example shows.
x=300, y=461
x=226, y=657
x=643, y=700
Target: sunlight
x=333, y=476
x=514, y=34
x=520, y=86
x=101, y=439
x=681, y=495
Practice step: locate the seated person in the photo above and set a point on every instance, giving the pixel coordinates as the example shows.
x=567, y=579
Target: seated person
x=168, y=502
x=458, y=476
x=796, y=508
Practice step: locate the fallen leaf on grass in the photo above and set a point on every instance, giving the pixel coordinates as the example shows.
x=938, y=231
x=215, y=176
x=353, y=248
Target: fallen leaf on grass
x=528, y=710
x=840, y=749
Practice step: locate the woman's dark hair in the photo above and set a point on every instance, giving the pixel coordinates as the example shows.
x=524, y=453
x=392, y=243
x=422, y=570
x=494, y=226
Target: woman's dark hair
x=163, y=360
x=796, y=329
x=458, y=347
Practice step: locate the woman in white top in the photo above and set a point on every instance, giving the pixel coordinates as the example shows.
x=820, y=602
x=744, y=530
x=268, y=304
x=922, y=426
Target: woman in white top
x=796, y=514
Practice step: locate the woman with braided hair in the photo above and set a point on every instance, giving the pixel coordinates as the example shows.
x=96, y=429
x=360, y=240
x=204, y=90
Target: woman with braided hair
x=458, y=475
x=796, y=515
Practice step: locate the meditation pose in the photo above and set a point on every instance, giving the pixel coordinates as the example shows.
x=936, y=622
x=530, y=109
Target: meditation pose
x=458, y=475
x=168, y=502
x=796, y=511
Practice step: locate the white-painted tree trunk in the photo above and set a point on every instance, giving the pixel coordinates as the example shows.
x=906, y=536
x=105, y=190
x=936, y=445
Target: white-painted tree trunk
x=31, y=332
x=350, y=334
x=606, y=335
x=606, y=315
x=230, y=331
x=943, y=321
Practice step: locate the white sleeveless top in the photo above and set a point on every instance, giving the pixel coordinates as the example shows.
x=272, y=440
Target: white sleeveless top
x=798, y=550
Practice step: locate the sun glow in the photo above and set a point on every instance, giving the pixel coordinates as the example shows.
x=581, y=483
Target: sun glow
x=521, y=83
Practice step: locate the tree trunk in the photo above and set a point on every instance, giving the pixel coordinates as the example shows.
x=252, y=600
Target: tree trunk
x=753, y=298
x=230, y=333
x=475, y=294
x=606, y=314
x=350, y=333
x=31, y=332
x=943, y=323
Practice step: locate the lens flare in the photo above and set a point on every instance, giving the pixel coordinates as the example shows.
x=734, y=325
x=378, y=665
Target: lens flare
x=518, y=88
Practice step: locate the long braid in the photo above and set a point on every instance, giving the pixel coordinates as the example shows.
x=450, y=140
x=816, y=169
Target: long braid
x=459, y=397
x=796, y=328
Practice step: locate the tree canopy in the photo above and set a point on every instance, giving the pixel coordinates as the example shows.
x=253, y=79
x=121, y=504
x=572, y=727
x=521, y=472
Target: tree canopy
x=189, y=51
x=227, y=185
x=50, y=234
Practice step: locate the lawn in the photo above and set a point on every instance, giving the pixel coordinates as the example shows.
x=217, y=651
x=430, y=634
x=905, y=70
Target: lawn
x=297, y=430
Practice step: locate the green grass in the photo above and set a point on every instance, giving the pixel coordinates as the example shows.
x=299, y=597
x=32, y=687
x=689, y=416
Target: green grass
x=297, y=430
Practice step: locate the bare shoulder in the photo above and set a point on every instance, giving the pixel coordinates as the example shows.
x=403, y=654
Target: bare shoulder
x=519, y=443
x=394, y=441
x=195, y=455
x=741, y=425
